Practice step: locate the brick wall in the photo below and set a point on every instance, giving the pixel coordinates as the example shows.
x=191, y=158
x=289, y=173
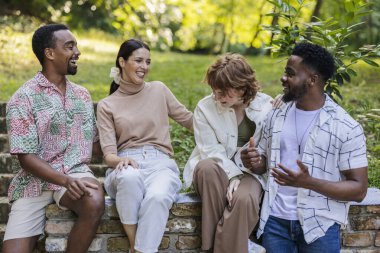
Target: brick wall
x=362, y=234
x=182, y=234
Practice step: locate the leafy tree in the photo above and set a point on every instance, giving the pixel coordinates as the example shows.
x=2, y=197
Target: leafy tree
x=328, y=33
x=217, y=25
x=41, y=9
x=370, y=30
x=85, y=14
x=210, y=26
x=153, y=21
x=76, y=13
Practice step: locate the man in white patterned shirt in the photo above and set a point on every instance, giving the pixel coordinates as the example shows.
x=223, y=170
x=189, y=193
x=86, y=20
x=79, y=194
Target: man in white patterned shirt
x=315, y=156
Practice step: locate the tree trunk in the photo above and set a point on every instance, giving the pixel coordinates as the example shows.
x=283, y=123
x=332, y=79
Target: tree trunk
x=273, y=23
x=256, y=29
x=219, y=47
x=228, y=41
x=316, y=11
x=314, y=16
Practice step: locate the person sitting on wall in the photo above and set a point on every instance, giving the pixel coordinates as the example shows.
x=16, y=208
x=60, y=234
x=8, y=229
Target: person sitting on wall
x=52, y=130
x=315, y=154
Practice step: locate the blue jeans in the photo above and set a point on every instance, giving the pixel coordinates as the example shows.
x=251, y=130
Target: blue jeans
x=286, y=236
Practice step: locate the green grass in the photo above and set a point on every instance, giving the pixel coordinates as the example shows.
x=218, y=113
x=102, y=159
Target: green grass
x=183, y=74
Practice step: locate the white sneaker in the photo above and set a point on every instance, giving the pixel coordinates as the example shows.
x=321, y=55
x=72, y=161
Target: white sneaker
x=255, y=248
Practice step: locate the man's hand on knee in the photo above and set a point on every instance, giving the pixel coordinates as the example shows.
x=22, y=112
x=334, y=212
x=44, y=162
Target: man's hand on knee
x=78, y=187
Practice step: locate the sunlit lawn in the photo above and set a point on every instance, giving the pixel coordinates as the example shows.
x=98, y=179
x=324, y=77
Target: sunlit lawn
x=182, y=73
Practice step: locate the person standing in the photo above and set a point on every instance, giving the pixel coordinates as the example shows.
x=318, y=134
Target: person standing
x=134, y=135
x=316, y=157
x=52, y=130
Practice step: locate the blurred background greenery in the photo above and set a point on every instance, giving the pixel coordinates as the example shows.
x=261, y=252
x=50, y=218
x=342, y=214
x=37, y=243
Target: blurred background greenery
x=207, y=26
x=186, y=37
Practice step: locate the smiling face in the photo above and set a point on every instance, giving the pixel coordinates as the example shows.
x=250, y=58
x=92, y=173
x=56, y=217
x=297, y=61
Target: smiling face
x=295, y=79
x=65, y=54
x=229, y=98
x=136, y=67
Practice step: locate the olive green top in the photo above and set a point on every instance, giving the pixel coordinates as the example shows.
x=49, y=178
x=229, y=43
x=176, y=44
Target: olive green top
x=246, y=129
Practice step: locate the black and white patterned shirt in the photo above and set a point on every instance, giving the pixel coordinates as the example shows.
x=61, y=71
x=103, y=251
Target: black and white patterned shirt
x=336, y=143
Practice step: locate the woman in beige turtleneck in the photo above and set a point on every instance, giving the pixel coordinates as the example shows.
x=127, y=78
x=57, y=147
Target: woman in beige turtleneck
x=133, y=126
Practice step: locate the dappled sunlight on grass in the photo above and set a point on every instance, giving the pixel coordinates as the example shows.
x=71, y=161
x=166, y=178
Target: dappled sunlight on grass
x=16, y=52
x=268, y=73
x=98, y=46
x=366, y=73
x=97, y=41
x=95, y=57
x=182, y=73
x=96, y=50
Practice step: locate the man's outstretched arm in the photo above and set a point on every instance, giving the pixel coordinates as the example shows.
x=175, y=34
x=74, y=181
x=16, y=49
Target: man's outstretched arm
x=352, y=188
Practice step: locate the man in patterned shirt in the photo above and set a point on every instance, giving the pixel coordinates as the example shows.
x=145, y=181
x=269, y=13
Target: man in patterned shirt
x=52, y=130
x=315, y=154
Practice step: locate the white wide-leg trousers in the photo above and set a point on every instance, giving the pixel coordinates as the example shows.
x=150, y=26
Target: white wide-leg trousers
x=145, y=195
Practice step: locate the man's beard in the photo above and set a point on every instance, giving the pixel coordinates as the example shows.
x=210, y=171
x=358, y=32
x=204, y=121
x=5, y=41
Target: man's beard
x=71, y=70
x=295, y=94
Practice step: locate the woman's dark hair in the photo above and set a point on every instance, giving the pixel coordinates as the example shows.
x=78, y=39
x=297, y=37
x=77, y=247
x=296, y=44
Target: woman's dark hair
x=126, y=50
x=43, y=38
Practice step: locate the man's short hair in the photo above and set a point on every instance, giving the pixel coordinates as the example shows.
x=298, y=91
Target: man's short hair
x=317, y=58
x=43, y=38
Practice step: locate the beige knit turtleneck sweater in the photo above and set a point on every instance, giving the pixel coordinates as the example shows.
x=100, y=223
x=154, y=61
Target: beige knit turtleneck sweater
x=138, y=115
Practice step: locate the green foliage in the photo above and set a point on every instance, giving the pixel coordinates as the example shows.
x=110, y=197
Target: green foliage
x=203, y=25
x=335, y=36
x=369, y=32
x=286, y=30
x=43, y=10
x=329, y=33
x=152, y=21
x=207, y=26
x=183, y=74
x=79, y=14
x=183, y=144
x=370, y=121
x=86, y=14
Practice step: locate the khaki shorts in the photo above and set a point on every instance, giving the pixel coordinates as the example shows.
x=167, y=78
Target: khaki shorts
x=27, y=216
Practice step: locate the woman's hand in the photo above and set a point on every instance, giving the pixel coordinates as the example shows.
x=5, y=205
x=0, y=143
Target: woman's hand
x=232, y=187
x=123, y=164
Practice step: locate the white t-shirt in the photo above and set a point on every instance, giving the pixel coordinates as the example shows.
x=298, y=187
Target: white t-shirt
x=295, y=132
x=335, y=144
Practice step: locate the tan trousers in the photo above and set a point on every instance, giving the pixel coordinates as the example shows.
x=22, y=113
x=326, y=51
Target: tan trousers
x=226, y=229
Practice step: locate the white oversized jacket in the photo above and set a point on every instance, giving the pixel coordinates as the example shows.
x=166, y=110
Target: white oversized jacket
x=216, y=134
